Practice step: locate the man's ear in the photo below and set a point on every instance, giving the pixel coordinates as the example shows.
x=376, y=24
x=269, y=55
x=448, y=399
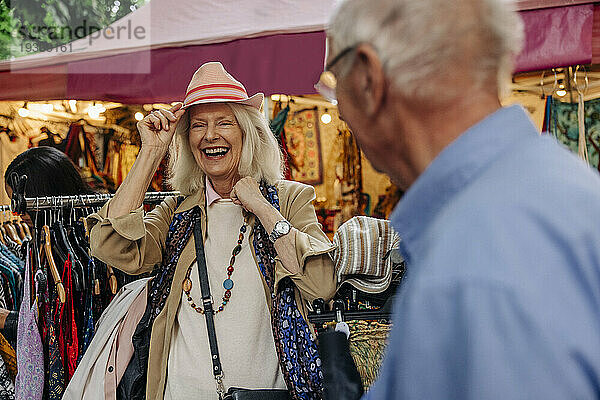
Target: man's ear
x=369, y=79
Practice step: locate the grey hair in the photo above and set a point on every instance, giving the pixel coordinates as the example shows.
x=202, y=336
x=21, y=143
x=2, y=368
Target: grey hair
x=420, y=41
x=261, y=157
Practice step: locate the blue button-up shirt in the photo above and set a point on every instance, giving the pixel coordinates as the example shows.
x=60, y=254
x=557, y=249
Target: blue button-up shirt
x=501, y=234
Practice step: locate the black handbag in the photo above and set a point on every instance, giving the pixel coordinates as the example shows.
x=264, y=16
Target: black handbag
x=232, y=393
x=256, y=394
x=341, y=380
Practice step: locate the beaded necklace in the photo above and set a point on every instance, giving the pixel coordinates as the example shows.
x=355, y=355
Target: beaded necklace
x=227, y=283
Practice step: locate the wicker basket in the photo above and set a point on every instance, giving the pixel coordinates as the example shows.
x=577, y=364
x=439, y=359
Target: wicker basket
x=367, y=345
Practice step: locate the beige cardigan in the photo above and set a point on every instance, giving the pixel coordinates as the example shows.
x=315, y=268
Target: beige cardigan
x=134, y=244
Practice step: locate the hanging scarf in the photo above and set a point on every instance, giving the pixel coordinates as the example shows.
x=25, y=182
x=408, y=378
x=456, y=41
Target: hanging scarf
x=582, y=145
x=180, y=230
x=29, y=383
x=297, y=351
x=298, y=355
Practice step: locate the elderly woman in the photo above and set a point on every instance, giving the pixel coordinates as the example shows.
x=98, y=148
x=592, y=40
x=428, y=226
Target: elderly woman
x=227, y=164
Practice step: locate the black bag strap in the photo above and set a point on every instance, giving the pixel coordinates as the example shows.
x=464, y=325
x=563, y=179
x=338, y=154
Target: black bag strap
x=207, y=304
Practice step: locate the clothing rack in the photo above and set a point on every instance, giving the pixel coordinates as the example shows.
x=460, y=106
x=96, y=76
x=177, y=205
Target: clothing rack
x=21, y=204
x=365, y=315
x=340, y=312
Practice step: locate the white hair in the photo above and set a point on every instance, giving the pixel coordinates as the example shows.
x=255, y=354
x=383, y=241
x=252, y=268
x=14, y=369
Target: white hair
x=420, y=41
x=261, y=157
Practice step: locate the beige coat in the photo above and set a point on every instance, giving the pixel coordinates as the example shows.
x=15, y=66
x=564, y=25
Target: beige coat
x=134, y=243
x=93, y=380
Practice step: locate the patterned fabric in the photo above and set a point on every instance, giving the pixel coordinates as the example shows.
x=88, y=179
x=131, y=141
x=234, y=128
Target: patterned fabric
x=72, y=344
x=303, y=145
x=88, y=316
x=562, y=123
x=29, y=384
x=9, y=356
x=58, y=360
x=298, y=355
x=56, y=374
x=45, y=310
x=180, y=230
x=7, y=389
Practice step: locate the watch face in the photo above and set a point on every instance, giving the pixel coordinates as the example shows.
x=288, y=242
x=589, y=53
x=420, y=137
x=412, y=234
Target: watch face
x=282, y=227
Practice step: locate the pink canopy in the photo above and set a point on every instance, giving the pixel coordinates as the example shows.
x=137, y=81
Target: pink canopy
x=556, y=37
x=273, y=47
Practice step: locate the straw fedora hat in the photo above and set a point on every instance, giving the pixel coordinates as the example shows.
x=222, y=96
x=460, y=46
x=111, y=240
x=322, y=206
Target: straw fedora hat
x=211, y=83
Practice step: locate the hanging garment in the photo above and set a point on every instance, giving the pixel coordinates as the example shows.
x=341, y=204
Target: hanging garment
x=568, y=120
x=7, y=388
x=89, y=379
x=55, y=377
x=68, y=334
x=581, y=142
x=100, y=289
x=277, y=127
x=9, y=149
x=29, y=383
x=53, y=140
x=9, y=356
x=88, y=317
x=127, y=156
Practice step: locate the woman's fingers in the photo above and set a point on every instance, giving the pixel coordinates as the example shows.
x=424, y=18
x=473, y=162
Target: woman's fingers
x=176, y=108
x=173, y=115
x=154, y=121
x=233, y=196
x=163, y=120
x=169, y=115
x=179, y=113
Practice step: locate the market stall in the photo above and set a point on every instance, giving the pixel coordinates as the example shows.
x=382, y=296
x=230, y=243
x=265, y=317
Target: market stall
x=87, y=100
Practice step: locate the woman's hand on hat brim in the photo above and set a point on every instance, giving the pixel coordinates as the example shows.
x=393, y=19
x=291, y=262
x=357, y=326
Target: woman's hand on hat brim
x=158, y=127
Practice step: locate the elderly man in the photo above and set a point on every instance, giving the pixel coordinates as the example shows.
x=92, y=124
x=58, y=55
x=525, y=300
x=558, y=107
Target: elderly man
x=500, y=226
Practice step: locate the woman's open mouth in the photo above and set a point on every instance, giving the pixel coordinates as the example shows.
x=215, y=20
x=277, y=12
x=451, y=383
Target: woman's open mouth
x=215, y=152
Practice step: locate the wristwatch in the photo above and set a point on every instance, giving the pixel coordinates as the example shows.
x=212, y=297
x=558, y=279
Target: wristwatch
x=281, y=228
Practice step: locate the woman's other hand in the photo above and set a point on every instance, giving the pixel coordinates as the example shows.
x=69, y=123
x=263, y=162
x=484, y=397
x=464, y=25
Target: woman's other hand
x=246, y=193
x=156, y=131
x=158, y=127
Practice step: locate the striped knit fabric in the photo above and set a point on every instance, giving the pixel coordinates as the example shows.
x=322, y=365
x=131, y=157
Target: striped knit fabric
x=362, y=244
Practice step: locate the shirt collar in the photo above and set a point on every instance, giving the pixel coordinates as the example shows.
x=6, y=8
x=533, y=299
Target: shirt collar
x=211, y=193
x=454, y=168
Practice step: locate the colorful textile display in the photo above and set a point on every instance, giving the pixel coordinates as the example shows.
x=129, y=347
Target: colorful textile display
x=563, y=124
x=304, y=146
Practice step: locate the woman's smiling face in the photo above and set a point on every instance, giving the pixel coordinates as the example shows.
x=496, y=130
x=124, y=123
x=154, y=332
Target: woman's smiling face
x=216, y=140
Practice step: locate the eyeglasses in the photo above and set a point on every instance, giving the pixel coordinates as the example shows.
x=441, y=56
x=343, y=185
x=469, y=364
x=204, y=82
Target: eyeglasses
x=327, y=83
